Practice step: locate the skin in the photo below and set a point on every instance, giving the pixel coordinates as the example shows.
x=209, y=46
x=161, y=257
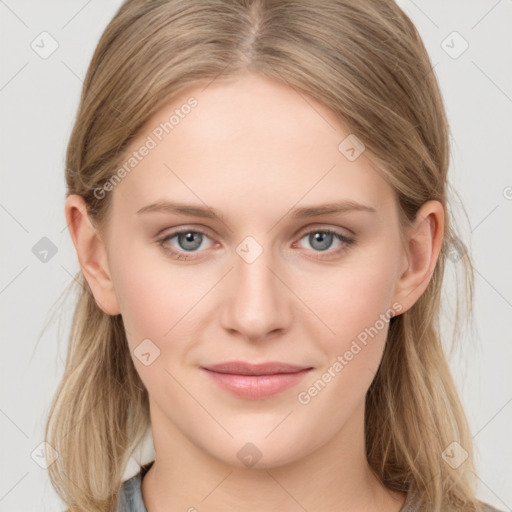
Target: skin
x=255, y=150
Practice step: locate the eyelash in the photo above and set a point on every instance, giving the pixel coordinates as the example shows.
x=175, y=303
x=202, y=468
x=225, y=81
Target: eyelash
x=178, y=255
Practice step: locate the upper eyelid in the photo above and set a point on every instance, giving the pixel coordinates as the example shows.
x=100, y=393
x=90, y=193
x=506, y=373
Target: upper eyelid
x=332, y=229
x=205, y=231
x=300, y=233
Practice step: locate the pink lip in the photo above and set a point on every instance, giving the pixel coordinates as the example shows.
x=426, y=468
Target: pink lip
x=256, y=381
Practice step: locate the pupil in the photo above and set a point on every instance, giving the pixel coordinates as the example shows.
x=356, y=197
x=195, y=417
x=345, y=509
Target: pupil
x=321, y=240
x=190, y=241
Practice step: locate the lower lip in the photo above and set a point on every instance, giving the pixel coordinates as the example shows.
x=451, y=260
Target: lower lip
x=257, y=387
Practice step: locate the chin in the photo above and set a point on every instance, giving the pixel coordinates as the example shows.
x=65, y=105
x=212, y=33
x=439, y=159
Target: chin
x=261, y=450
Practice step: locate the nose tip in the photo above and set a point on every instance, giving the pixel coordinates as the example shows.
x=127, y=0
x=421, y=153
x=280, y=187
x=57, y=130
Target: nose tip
x=257, y=305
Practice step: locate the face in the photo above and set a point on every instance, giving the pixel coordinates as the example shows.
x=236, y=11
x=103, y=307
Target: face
x=255, y=267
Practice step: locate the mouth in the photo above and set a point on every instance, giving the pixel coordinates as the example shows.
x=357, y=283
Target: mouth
x=255, y=381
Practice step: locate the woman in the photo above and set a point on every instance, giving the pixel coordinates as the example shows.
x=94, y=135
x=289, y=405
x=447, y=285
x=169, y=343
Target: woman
x=257, y=198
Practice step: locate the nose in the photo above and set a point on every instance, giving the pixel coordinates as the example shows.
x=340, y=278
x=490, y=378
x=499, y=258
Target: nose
x=257, y=303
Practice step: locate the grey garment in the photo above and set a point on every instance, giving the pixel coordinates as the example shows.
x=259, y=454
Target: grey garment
x=409, y=504
x=131, y=492
x=131, y=496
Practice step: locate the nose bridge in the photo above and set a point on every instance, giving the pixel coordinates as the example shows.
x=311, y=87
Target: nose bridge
x=258, y=303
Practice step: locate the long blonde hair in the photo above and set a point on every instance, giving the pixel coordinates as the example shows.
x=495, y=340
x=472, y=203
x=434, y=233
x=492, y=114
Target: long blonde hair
x=366, y=62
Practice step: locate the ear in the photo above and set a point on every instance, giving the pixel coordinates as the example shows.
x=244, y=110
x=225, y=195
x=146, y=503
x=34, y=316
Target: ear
x=91, y=253
x=422, y=245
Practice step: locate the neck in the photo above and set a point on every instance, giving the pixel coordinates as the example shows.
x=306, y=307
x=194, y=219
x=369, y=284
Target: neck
x=336, y=476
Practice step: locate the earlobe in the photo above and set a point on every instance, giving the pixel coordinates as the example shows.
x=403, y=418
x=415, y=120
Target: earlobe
x=92, y=254
x=422, y=247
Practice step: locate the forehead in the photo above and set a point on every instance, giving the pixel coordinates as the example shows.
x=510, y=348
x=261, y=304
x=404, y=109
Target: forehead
x=244, y=141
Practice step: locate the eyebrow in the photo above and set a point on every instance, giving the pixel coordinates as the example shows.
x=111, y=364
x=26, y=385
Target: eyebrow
x=297, y=213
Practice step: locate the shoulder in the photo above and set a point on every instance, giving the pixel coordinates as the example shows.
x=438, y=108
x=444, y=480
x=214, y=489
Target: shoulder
x=489, y=508
x=130, y=494
x=411, y=505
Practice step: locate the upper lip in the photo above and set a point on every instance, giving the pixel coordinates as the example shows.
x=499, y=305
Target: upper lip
x=244, y=368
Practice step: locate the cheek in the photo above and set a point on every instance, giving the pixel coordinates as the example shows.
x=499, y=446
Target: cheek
x=153, y=294
x=356, y=308
x=351, y=298
x=157, y=299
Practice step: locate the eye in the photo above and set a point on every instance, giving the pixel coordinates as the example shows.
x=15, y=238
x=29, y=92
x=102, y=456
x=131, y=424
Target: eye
x=322, y=240
x=186, y=244
x=182, y=242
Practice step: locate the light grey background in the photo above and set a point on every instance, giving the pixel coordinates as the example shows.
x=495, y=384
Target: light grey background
x=39, y=97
